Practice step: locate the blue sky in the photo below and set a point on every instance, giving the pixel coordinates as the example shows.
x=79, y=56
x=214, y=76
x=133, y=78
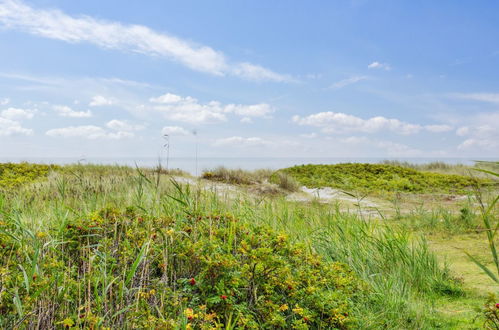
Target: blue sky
x=252, y=78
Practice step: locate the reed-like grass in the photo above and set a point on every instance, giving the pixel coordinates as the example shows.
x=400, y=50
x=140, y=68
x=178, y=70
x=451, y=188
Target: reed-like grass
x=402, y=277
x=237, y=176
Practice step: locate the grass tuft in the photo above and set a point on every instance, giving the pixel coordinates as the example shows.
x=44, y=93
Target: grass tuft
x=237, y=176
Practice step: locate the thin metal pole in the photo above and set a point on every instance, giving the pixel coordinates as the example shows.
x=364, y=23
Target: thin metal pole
x=196, y=135
x=167, y=146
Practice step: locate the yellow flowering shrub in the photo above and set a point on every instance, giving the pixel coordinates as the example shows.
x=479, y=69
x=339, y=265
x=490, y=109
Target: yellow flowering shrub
x=118, y=269
x=13, y=174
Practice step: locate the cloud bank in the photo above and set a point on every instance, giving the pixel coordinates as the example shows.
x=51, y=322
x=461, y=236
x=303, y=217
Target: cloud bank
x=190, y=110
x=55, y=24
x=10, y=121
x=341, y=123
x=115, y=130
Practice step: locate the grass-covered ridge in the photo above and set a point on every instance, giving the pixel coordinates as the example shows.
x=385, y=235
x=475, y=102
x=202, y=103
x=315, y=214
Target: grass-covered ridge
x=378, y=178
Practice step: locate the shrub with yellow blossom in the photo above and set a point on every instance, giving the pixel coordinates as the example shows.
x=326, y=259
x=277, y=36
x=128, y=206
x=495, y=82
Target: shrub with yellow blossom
x=118, y=269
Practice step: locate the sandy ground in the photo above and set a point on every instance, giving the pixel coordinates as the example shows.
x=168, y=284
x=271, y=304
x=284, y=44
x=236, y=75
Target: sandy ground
x=367, y=207
x=328, y=195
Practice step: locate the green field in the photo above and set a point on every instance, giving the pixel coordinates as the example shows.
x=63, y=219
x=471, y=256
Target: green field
x=105, y=247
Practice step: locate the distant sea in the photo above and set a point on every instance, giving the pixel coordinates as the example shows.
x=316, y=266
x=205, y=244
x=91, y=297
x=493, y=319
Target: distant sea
x=192, y=166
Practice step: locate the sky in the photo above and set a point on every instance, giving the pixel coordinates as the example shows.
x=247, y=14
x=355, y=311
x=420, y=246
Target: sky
x=349, y=78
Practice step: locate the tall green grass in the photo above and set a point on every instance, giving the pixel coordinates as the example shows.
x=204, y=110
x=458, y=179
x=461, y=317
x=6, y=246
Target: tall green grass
x=402, y=277
x=237, y=176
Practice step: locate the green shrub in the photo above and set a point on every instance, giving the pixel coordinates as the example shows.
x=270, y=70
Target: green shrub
x=379, y=177
x=13, y=175
x=118, y=269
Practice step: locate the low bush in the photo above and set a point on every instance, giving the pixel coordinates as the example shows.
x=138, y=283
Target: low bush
x=379, y=177
x=15, y=174
x=119, y=269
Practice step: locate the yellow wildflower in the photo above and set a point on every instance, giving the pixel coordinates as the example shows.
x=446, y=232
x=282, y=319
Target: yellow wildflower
x=281, y=238
x=298, y=310
x=67, y=322
x=283, y=308
x=189, y=313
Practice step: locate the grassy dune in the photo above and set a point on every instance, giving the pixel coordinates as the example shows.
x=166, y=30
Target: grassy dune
x=380, y=178
x=90, y=246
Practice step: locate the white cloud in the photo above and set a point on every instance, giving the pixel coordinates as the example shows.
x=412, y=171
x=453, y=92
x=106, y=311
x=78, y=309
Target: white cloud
x=123, y=125
x=17, y=114
x=481, y=132
x=99, y=100
x=337, y=122
x=254, y=110
x=484, y=136
x=463, y=131
x=378, y=65
x=348, y=81
x=116, y=130
x=246, y=120
x=10, y=121
x=309, y=135
x=397, y=149
x=482, y=97
x=11, y=127
x=190, y=110
x=4, y=101
x=66, y=111
x=175, y=130
x=390, y=147
x=356, y=140
x=473, y=143
x=241, y=141
x=438, y=128
x=258, y=73
x=169, y=98
x=55, y=24
x=88, y=132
